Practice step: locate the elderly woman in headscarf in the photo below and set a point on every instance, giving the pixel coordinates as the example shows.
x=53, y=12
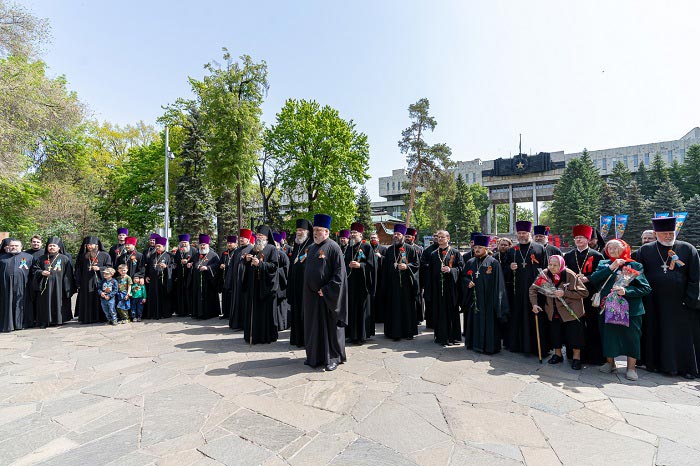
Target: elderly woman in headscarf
x=564, y=310
x=620, y=336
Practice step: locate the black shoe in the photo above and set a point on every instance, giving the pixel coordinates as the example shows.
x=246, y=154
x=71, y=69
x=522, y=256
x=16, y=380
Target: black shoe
x=689, y=376
x=576, y=365
x=409, y=338
x=555, y=359
x=332, y=366
x=306, y=363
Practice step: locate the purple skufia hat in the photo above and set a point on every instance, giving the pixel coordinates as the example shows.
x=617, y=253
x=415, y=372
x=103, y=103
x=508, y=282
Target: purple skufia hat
x=277, y=237
x=664, y=224
x=204, y=239
x=482, y=240
x=162, y=241
x=284, y=234
x=184, y=237
x=344, y=234
x=231, y=239
x=541, y=230
x=523, y=225
x=154, y=236
x=122, y=231
x=400, y=228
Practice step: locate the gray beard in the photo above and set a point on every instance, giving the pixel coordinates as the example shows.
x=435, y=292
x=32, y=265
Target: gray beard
x=523, y=242
x=352, y=243
x=667, y=243
x=259, y=245
x=398, y=243
x=204, y=251
x=301, y=240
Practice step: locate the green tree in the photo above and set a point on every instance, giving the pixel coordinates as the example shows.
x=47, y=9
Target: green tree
x=324, y=156
x=577, y=195
x=691, y=172
x=21, y=33
x=463, y=215
x=667, y=197
x=639, y=219
x=643, y=181
x=503, y=216
x=657, y=174
x=607, y=200
x=435, y=204
x=425, y=164
x=480, y=197
x=19, y=196
x=364, y=211
x=691, y=228
x=619, y=181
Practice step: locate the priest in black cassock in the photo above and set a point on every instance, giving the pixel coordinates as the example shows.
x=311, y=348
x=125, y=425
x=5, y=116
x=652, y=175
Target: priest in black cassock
x=583, y=261
x=54, y=285
x=234, y=278
x=159, y=281
x=344, y=240
x=423, y=278
x=442, y=290
x=361, y=270
x=528, y=257
x=541, y=236
x=131, y=257
x=205, y=291
x=118, y=249
x=295, y=285
x=226, y=258
x=260, y=289
x=400, y=287
x=469, y=254
x=410, y=240
x=325, y=299
x=671, y=323
x=379, y=252
x=182, y=275
x=14, y=288
x=485, y=299
x=504, y=257
x=282, y=306
x=147, y=253
x=90, y=263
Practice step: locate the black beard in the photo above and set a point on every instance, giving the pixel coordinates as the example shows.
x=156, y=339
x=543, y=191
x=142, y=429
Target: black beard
x=398, y=243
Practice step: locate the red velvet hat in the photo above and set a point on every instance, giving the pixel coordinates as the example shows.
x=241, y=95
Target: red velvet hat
x=583, y=230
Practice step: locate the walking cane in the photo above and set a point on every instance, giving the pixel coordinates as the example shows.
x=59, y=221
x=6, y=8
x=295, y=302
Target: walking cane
x=537, y=329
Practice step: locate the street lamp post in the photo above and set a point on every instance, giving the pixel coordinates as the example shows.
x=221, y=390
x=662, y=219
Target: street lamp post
x=167, y=187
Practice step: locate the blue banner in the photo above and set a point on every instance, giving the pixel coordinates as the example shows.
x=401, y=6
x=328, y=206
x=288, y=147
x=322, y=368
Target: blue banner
x=620, y=225
x=680, y=220
x=605, y=225
x=662, y=214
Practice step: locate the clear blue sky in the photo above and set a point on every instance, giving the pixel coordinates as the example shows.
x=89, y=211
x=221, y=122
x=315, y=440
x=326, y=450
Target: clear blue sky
x=567, y=75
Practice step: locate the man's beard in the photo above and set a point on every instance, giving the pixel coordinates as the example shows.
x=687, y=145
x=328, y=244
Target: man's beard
x=260, y=244
x=409, y=241
x=204, y=251
x=319, y=239
x=302, y=239
x=352, y=243
x=524, y=241
x=398, y=242
x=667, y=243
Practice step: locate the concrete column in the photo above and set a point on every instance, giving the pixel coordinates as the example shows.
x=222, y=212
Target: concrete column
x=495, y=219
x=511, y=226
x=535, y=212
x=488, y=220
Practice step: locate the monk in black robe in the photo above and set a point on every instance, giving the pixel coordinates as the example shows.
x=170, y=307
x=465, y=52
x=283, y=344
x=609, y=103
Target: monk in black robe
x=131, y=258
x=423, y=278
x=149, y=251
x=400, y=287
x=442, y=290
x=379, y=252
x=282, y=306
x=14, y=288
x=183, y=261
x=260, y=288
x=409, y=240
x=205, y=291
x=90, y=263
x=234, y=279
x=325, y=299
x=361, y=269
x=583, y=261
x=159, y=281
x=295, y=284
x=671, y=322
x=541, y=236
x=504, y=257
x=54, y=284
x=118, y=250
x=226, y=257
x=485, y=299
x=528, y=258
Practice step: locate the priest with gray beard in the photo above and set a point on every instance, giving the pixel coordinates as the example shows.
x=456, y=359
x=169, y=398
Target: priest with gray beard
x=295, y=280
x=234, y=278
x=14, y=289
x=259, y=289
x=325, y=299
x=205, y=292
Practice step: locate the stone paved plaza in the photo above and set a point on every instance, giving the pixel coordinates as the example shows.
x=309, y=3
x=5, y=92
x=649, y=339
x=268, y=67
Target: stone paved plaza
x=178, y=392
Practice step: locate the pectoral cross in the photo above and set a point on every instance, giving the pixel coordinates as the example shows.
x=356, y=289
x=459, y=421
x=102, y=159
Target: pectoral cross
x=665, y=267
x=524, y=264
x=476, y=274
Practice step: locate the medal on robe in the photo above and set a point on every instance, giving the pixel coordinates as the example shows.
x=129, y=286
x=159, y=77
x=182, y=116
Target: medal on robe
x=23, y=264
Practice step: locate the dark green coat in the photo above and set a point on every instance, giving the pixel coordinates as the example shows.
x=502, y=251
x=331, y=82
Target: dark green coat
x=633, y=293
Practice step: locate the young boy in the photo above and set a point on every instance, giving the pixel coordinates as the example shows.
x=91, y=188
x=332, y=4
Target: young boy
x=124, y=294
x=108, y=289
x=138, y=298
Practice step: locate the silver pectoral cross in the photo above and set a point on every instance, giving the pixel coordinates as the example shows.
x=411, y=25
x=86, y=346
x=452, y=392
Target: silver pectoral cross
x=524, y=264
x=665, y=267
x=476, y=274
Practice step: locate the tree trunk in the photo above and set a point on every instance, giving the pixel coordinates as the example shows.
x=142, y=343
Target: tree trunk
x=239, y=201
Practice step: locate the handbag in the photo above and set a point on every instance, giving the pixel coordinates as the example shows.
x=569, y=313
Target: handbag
x=595, y=300
x=617, y=310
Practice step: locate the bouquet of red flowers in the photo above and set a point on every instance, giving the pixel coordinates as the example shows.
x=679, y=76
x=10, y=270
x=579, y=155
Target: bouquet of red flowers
x=544, y=285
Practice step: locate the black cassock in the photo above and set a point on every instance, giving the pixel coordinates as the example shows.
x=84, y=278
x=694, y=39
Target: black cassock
x=15, y=291
x=325, y=317
x=159, y=285
x=54, y=291
x=234, y=284
x=420, y=316
x=377, y=311
x=671, y=322
x=116, y=252
x=259, y=296
x=423, y=275
x=205, y=290
x=399, y=292
x=586, y=262
x=362, y=284
x=133, y=260
x=226, y=258
x=505, y=259
x=551, y=250
x=442, y=291
x=522, y=336
x=486, y=304
x=88, y=282
x=282, y=307
x=295, y=291
x=182, y=281
x=147, y=253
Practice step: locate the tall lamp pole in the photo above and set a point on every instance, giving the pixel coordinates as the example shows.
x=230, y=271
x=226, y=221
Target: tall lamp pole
x=167, y=187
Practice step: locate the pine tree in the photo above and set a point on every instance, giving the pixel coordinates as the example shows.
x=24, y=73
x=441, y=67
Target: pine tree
x=364, y=211
x=691, y=228
x=643, y=181
x=657, y=174
x=639, y=219
x=194, y=204
x=607, y=200
x=691, y=172
x=676, y=174
x=577, y=194
x=619, y=182
x=667, y=198
x=463, y=214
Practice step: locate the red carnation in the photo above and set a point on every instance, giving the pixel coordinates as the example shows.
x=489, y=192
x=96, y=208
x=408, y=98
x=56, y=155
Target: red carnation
x=517, y=248
x=201, y=256
x=47, y=262
x=444, y=253
x=540, y=281
x=402, y=250
x=225, y=253
x=470, y=272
